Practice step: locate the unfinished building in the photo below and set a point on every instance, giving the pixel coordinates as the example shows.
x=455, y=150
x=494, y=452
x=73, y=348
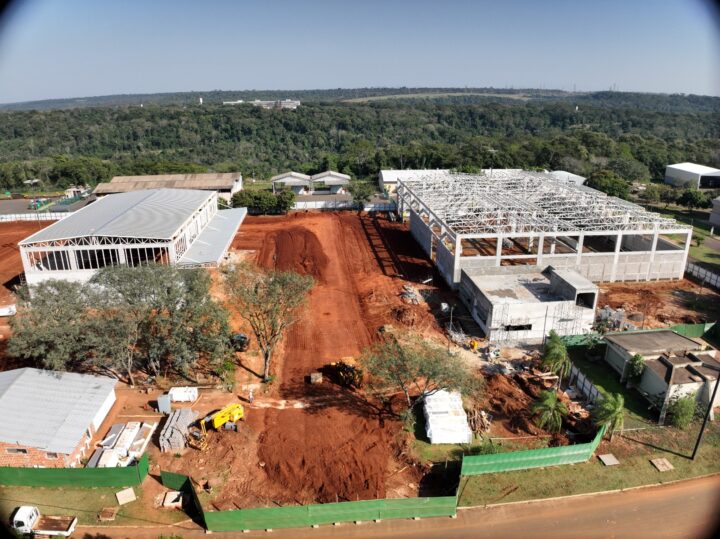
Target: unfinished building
x=181, y=227
x=474, y=222
x=522, y=304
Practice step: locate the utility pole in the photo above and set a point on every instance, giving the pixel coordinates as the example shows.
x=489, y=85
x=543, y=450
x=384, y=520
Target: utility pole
x=707, y=416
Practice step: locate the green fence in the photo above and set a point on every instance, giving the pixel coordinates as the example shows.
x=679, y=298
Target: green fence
x=308, y=515
x=532, y=458
x=329, y=513
x=76, y=477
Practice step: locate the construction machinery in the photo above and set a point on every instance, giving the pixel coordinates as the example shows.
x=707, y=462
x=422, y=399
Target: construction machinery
x=346, y=372
x=226, y=417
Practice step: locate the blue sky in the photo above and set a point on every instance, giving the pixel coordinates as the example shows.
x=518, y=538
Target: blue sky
x=72, y=48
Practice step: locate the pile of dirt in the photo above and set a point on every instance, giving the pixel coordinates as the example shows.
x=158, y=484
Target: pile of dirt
x=405, y=315
x=509, y=405
x=294, y=249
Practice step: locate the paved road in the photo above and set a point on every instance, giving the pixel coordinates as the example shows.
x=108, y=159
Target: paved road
x=689, y=509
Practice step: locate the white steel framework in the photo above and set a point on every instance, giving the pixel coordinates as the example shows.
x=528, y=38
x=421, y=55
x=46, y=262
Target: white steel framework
x=537, y=214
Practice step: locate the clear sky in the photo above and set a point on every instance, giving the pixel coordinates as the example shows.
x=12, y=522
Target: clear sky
x=73, y=48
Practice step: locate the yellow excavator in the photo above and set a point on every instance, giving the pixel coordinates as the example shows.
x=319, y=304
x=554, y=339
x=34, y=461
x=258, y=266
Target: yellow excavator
x=346, y=372
x=230, y=414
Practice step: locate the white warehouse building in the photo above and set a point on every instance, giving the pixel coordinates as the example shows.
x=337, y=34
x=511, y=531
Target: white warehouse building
x=180, y=227
x=692, y=175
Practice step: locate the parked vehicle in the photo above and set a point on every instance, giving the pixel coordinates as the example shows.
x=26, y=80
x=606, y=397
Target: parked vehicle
x=27, y=521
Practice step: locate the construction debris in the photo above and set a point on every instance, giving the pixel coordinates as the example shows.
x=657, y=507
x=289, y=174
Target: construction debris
x=662, y=464
x=609, y=459
x=409, y=294
x=480, y=421
x=173, y=436
x=456, y=334
x=173, y=500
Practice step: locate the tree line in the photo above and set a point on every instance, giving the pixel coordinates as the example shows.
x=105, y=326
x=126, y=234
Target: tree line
x=63, y=147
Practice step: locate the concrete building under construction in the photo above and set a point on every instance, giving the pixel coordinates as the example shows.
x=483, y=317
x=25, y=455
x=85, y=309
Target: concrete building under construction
x=469, y=223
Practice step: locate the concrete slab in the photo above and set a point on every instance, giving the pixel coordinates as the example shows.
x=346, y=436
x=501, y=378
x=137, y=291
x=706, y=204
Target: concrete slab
x=126, y=496
x=662, y=465
x=173, y=500
x=609, y=459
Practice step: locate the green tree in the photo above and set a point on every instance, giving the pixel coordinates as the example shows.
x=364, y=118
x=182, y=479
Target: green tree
x=636, y=366
x=361, y=193
x=668, y=194
x=693, y=198
x=610, y=413
x=417, y=368
x=50, y=328
x=651, y=195
x=269, y=301
x=609, y=183
x=555, y=356
x=682, y=411
x=549, y=411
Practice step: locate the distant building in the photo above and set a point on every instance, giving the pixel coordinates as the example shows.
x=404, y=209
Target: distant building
x=692, y=175
x=387, y=179
x=291, y=104
x=321, y=183
x=226, y=183
x=48, y=418
x=238, y=102
x=715, y=214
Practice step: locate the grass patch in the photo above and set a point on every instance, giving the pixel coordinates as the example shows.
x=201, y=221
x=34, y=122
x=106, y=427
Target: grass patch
x=258, y=185
x=634, y=450
x=438, y=453
x=85, y=504
x=637, y=409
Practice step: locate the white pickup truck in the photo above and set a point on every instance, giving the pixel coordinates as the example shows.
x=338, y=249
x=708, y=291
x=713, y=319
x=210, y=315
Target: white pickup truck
x=28, y=521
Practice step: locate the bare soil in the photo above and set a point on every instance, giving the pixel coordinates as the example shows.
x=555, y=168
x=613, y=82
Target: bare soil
x=654, y=305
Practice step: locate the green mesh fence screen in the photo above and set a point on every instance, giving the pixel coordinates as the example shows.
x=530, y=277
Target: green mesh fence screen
x=308, y=515
x=76, y=477
x=532, y=458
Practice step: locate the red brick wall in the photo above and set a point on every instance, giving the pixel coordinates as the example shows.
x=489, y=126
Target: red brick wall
x=39, y=458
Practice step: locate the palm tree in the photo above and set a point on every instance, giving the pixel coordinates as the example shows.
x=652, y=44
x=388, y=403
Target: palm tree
x=549, y=410
x=610, y=412
x=556, y=356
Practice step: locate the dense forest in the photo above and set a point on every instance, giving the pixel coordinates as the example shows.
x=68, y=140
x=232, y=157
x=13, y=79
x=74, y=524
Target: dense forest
x=633, y=135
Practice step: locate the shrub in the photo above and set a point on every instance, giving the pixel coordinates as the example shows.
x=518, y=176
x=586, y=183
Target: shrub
x=682, y=411
x=636, y=366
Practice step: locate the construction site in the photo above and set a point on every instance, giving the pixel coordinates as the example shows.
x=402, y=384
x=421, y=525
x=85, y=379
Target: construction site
x=291, y=442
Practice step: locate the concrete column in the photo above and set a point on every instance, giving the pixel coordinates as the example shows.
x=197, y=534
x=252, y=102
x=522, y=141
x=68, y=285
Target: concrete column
x=498, y=250
x=618, y=244
x=688, y=240
x=651, y=259
x=121, y=256
x=458, y=254
x=580, y=243
x=541, y=243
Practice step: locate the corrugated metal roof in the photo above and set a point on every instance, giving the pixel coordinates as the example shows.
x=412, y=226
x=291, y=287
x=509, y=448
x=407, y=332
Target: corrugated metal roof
x=289, y=176
x=49, y=410
x=153, y=213
x=330, y=177
x=125, y=184
x=694, y=168
x=213, y=242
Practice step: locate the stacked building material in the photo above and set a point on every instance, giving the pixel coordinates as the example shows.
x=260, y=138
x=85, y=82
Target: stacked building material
x=173, y=436
x=446, y=420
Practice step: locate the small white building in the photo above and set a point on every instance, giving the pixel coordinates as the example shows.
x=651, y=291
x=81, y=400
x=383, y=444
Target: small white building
x=387, y=179
x=300, y=184
x=692, y=175
x=225, y=183
x=522, y=304
x=330, y=180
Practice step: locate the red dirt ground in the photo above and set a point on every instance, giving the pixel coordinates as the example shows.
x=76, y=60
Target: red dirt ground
x=341, y=451
x=662, y=304
x=10, y=263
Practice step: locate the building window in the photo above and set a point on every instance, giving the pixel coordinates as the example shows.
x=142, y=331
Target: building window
x=521, y=327
x=51, y=456
x=16, y=451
